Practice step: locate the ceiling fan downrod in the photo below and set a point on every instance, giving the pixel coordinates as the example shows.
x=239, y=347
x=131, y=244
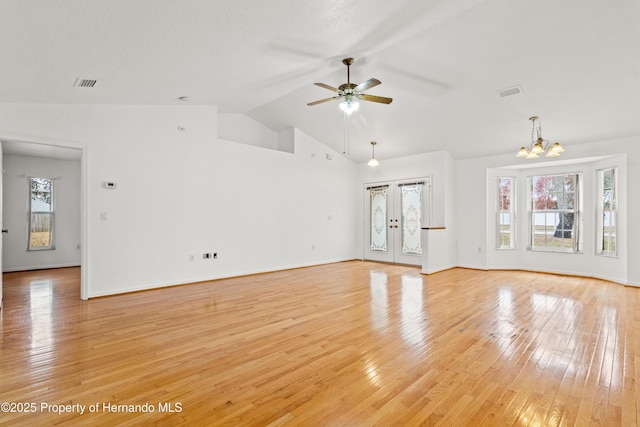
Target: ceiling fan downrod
x=348, y=62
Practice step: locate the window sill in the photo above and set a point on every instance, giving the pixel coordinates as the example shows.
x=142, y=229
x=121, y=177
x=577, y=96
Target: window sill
x=555, y=251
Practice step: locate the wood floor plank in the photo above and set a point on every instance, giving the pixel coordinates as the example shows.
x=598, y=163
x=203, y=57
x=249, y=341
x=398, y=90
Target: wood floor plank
x=353, y=343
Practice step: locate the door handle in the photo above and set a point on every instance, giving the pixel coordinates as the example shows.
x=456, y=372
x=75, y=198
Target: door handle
x=4, y=230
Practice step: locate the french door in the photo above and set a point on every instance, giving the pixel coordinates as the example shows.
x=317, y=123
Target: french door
x=394, y=213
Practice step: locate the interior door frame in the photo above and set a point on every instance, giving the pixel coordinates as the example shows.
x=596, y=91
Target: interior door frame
x=84, y=240
x=393, y=255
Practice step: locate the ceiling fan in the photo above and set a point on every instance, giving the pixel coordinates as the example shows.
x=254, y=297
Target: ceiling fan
x=350, y=93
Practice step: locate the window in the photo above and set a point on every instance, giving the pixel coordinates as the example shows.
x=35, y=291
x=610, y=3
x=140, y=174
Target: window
x=607, y=217
x=505, y=225
x=554, y=213
x=41, y=214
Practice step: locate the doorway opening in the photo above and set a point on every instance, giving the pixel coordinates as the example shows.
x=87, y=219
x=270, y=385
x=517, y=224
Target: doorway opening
x=63, y=164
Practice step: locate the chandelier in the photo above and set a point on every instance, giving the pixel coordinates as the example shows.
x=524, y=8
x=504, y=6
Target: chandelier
x=538, y=144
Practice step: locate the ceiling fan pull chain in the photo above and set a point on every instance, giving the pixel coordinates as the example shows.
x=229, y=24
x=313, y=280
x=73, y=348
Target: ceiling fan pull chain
x=346, y=136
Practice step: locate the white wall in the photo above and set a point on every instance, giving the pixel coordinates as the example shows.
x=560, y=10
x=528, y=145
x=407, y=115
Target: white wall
x=186, y=193
x=476, y=231
x=66, y=173
x=244, y=129
x=441, y=244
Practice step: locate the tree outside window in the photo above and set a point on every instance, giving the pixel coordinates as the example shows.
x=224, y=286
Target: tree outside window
x=554, y=219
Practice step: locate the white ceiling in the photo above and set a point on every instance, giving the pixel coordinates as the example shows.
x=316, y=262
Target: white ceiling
x=442, y=62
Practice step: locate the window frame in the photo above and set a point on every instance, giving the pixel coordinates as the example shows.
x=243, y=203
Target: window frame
x=577, y=225
x=50, y=213
x=500, y=212
x=601, y=211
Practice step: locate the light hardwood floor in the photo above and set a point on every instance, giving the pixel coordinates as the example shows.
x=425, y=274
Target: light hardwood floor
x=353, y=343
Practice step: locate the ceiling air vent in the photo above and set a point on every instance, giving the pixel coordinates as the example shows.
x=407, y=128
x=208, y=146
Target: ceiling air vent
x=85, y=82
x=514, y=90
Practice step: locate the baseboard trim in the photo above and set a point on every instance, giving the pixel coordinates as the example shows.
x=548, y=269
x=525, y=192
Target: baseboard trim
x=38, y=267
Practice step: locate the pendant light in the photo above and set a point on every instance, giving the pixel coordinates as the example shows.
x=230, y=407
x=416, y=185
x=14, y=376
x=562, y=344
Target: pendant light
x=373, y=162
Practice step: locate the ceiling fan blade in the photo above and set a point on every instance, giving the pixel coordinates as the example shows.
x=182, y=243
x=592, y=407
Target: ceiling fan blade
x=322, y=100
x=373, y=98
x=366, y=85
x=327, y=87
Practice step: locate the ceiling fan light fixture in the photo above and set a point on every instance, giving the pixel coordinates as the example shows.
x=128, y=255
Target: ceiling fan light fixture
x=349, y=104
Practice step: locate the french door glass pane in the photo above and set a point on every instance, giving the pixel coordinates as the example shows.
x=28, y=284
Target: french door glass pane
x=379, y=219
x=411, y=204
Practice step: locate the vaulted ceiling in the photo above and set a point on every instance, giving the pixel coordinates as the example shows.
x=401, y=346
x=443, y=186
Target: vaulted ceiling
x=442, y=61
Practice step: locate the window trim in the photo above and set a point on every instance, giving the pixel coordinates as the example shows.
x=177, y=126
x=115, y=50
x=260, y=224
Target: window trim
x=600, y=210
x=577, y=247
x=50, y=213
x=512, y=214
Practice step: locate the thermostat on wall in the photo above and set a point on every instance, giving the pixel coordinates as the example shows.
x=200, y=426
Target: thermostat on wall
x=110, y=185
